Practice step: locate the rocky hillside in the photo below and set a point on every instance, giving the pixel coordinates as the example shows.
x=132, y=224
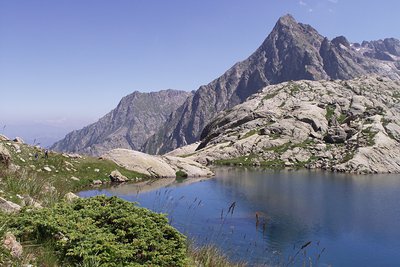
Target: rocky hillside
x=136, y=117
x=292, y=51
x=347, y=126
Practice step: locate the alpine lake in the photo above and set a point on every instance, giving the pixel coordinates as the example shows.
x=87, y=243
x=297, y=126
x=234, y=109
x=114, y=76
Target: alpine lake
x=285, y=218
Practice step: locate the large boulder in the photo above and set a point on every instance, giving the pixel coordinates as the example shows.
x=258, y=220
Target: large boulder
x=156, y=166
x=117, y=177
x=335, y=135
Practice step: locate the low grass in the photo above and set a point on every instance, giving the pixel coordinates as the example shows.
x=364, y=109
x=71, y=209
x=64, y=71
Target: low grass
x=48, y=188
x=249, y=133
x=330, y=112
x=369, y=135
x=250, y=161
x=209, y=256
x=269, y=96
x=32, y=179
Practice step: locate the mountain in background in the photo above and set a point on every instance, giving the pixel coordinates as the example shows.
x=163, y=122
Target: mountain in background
x=292, y=51
x=136, y=117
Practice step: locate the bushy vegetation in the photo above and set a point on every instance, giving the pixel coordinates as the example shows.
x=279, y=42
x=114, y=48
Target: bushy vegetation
x=181, y=174
x=102, y=230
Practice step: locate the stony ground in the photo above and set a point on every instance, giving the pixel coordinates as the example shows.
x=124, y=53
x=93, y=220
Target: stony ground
x=347, y=126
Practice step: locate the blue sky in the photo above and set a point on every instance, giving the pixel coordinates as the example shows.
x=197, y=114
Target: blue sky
x=68, y=62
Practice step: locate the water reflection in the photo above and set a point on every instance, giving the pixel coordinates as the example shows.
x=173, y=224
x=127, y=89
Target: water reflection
x=275, y=213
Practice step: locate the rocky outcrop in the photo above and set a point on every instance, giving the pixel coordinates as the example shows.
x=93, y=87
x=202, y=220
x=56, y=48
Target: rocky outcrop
x=349, y=126
x=156, y=166
x=137, y=116
x=292, y=51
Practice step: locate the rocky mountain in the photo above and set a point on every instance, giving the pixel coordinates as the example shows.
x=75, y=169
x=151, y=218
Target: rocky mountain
x=136, y=117
x=348, y=126
x=292, y=51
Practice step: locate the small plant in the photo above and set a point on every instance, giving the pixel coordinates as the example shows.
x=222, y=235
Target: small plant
x=181, y=174
x=269, y=96
x=330, y=112
x=249, y=133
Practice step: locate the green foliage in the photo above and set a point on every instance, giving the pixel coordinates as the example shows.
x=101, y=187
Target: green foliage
x=294, y=88
x=341, y=118
x=181, y=174
x=369, y=135
x=396, y=94
x=106, y=231
x=250, y=161
x=210, y=256
x=269, y=96
x=330, y=112
x=249, y=133
x=31, y=179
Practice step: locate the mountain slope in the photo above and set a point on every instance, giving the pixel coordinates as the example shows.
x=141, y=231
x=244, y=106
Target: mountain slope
x=136, y=117
x=292, y=51
x=350, y=126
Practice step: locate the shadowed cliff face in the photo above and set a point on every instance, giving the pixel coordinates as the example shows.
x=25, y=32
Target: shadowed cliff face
x=136, y=117
x=292, y=51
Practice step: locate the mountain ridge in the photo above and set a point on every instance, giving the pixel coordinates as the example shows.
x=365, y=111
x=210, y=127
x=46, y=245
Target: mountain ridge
x=136, y=117
x=292, y=51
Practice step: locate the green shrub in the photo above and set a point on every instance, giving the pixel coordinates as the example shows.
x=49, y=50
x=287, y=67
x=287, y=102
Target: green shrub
x=181, y=174
x=108, y=231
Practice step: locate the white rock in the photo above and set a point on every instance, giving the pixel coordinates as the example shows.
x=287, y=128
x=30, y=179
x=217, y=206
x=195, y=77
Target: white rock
x=46, y=168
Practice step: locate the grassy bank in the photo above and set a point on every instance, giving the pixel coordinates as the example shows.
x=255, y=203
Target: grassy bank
x=84, y=232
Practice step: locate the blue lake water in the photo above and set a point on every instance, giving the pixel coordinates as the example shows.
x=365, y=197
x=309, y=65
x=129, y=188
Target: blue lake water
x=351, y=220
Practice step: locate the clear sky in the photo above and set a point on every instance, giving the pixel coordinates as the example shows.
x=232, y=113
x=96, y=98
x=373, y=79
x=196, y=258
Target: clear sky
x=68, y=62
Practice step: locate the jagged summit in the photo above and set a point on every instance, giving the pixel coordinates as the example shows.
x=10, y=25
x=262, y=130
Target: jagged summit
x=292, y=51
x=286, y=20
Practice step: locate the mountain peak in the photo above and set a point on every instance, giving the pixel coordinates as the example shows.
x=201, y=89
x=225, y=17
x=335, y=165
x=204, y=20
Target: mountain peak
x=286, y=20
